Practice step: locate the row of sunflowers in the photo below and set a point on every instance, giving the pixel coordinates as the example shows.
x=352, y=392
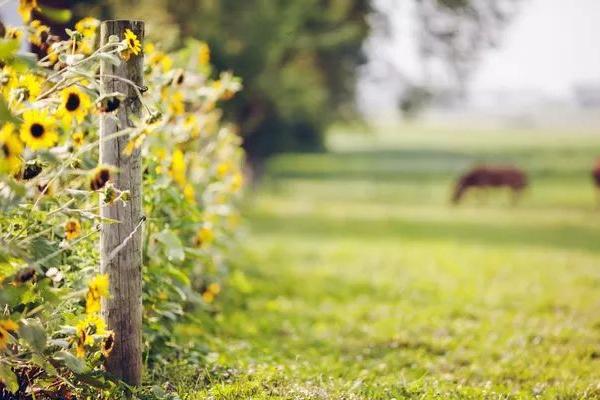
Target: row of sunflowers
x=53, y=339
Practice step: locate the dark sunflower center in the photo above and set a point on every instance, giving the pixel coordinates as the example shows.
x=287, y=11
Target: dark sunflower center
x=104, y=175
x=132, y=42
x=73, y=102
x=37, y=130
x=5, y=150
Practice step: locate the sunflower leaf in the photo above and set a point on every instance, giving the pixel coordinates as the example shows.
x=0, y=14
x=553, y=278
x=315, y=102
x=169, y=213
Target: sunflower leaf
x=70, y=361
x=8, y=378
x=61, y=15
x=5, y=114
x=33, y=333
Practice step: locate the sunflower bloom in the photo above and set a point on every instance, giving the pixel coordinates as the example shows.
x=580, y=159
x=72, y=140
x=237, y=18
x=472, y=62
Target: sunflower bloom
x=38, y=130
x=26, y=87
x=26, y=7
x=203, y=54
x=205, y=236
x=208, y=297
x=223, y=169
x=74, y=104
x=176, y=104
x=97, y=288
x=13, y=33
x=72, y=229
x=108, y=344
x=178, y=168
x=237, y=182
x=100, y=178
x=211, y=292
x=157, y=58
x=7, y=77
x=215, y=288
x=11, y=148
x=133, y=45
x=84, y=331
x=39, y=33
x=88, y=27
x=189, y=193
x=78, y=138
x=6, y=327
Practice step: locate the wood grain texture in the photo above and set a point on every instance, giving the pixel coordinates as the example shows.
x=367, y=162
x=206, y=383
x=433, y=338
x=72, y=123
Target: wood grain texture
x=123, y=309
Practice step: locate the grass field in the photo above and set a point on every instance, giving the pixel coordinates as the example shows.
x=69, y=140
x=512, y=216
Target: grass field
x=361, y=282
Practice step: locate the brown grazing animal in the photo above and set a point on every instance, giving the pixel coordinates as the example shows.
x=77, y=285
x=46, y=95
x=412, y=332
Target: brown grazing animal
x=491, y=177
x=596, y=174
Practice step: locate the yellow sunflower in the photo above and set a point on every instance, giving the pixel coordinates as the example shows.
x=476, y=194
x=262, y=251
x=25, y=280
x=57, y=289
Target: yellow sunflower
x=205, y=236
x=38, y=130
x=78, y=139
x=7, y=76
x=211, y=292
x=88, y=27
x=26, y=87
x=74, y=104
x=157, y=58
x=178, y=168
x=176, y=104
x=189, y=193
x=26, y=7
x=72, y=229
x=13, y=33
x=108, y=344
x=6, y=327
x=97, y=288
x=133, y=45
x=39, y=32
x=11, y=148
x=84, y=331
x=99, y=178
x=203, y=54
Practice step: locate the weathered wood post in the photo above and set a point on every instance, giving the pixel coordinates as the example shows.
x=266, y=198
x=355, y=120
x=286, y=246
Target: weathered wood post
x=123, y=309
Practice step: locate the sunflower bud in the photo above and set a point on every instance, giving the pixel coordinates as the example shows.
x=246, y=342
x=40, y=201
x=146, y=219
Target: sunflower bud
x=25, y=275
x=108, y=104
x=100, y=178
x=32, y=169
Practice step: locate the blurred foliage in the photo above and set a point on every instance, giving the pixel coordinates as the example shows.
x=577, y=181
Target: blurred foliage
x=450, y=38
x=297, y=58
x=458, y=31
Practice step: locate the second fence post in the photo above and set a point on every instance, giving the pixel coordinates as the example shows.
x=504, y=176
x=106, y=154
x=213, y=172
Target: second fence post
x=122, y=310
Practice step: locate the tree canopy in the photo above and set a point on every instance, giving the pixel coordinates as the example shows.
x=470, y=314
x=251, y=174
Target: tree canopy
x=298, y=60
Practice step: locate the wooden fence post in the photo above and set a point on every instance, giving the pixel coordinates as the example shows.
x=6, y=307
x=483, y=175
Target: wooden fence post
x=122, y=310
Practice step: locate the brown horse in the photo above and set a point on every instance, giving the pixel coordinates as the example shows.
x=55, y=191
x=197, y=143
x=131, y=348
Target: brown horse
x=596, y=176
x=491, y=177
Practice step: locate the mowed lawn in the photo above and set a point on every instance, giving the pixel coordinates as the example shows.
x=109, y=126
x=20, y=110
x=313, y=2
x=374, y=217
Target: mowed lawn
x=358, y=280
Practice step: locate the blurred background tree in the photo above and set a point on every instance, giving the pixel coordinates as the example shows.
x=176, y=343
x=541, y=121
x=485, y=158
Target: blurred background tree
x=450, y=38
x=298, y=60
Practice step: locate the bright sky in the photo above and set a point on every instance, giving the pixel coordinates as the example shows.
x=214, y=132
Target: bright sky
x=551, y=45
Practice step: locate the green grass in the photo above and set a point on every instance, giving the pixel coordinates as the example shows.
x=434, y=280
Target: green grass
x=361, y=282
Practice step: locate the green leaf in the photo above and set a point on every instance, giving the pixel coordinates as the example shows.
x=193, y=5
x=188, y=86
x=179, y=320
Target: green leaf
x=41, y=248
x=44, y=364
x=70, y=361
x=173, y=247
x=8, y=48
x=5, y=114
x=8, y=378
x=111, y=58
x=61, y=15
x=33, y=333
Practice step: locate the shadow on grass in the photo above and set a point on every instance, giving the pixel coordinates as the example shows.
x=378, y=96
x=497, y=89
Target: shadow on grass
x=566, y=237
x=413, y=164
